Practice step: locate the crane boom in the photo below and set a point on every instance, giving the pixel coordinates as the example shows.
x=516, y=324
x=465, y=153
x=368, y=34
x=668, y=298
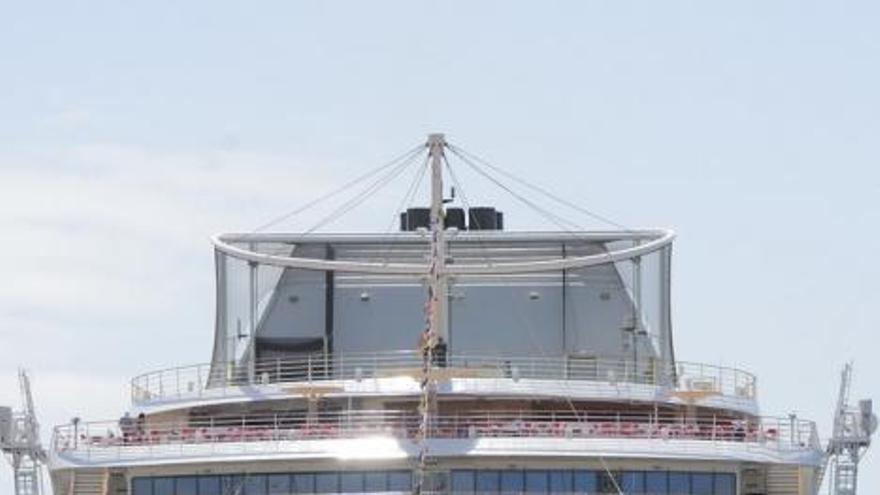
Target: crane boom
x=851, y=438
x=20, y=441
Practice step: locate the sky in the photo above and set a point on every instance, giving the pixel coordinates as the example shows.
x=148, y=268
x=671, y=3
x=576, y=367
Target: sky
x=132, y=131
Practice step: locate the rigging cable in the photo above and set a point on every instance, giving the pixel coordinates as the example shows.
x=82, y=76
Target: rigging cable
x=403, y=156
x=541, y=190
x=410, y=194
x=359, y=198
x=554, y=218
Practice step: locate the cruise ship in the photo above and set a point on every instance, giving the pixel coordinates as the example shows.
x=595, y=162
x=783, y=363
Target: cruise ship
x=448, y=355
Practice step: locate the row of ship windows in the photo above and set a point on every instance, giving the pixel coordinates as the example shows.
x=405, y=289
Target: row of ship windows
x=593, y=482
x=276, y=484
x=462, y=481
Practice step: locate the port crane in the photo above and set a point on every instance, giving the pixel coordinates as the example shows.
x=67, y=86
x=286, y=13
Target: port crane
x=851, y=437
x=20, y=441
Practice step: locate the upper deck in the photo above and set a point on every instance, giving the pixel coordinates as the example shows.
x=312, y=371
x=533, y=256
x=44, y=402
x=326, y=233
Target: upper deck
x=584, y=296
x=395, y=374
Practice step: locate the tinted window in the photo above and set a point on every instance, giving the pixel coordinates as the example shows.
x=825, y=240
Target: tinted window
x=209, y=485
x=374, y=482
x=326, y=483
x=655, y=482
x=352, y=482
x=725, y=484
x=302, y=483
x=560, y=481
x=488, y=481
x=142, y=486
x=277, y=484
x=255, y=484
x=186, y=485
x=701, y=483
x=609, y=482
x=511, y=481
x=679, y=483
x=399, y=481
x=231, y=485
x=585, y=481
x=632, y=482
x=536, y=481
x=462, y=481
x=163, y=486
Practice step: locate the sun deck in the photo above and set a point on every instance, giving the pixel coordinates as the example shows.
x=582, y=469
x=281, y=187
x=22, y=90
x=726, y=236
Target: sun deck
x=306, y=434
x=396, y=373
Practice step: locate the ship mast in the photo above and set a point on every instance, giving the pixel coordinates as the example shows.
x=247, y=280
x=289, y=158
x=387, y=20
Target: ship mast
x=438, y=320
x=435, y=309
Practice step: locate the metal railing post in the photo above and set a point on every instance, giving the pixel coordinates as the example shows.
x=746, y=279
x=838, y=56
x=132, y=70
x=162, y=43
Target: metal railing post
x=714, y=426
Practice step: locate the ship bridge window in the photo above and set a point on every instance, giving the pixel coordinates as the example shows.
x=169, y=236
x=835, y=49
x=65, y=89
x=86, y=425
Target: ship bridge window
x=512, y=481
x=327, y=483
x=488, y=481
x=303, y=483
x=186, y=485
x=142, y=486
x=351, y=482
x=399, y=480
x=209, y=485
x=462, y=481
x=679, y=483
x=632, y=482
x=532, y=481
x=560, y=481
x=163, y=486
x=254, y=485
x=278, y=484
x=484, y=482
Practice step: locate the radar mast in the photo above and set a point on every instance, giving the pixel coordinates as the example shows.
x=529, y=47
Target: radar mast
x=435, y=309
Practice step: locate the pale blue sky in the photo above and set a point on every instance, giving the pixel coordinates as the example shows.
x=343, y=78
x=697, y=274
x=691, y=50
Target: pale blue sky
x=131, y=132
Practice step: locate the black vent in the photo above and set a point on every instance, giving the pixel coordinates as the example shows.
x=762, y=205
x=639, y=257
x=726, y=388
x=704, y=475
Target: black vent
x=478, y=218
x=454, y=218
x=416, y=218
x=483, y=218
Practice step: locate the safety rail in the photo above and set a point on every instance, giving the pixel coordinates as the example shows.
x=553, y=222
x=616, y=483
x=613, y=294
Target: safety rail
x=197, y=380
x=109, y=436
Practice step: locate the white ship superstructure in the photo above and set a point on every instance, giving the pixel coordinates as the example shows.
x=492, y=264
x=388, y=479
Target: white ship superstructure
x=451, y=356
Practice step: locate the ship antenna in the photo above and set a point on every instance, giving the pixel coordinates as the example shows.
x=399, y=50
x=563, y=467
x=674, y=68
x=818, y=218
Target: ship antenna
x=435, y=309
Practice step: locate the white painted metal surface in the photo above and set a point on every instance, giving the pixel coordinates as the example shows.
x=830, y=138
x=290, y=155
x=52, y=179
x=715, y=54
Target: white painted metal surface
x=393, y=373
x=658, y=241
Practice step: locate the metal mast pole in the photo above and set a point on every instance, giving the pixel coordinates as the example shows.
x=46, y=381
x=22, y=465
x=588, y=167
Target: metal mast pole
x=435, y=317
x=436, y=143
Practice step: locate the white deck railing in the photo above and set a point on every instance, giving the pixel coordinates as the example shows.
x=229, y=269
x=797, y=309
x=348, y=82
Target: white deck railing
x=194, y=380
x=104, y=439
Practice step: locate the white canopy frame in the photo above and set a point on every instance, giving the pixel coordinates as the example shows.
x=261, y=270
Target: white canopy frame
x=655, y=240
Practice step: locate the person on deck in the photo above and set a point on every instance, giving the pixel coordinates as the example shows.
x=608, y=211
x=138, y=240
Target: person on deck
x=440, y=350
x=126, y=427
